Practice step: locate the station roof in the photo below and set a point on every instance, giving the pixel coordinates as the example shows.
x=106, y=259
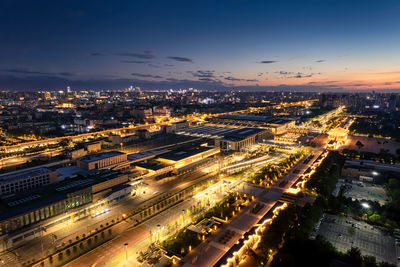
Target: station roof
x=100, y=156
x=184, y=152
x=23, y=174
x=153, y=165
x=146, y=154
x=243, y=133
x=255, y=118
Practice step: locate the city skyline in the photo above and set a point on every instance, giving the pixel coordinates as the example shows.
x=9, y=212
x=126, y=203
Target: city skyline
x=305, y=46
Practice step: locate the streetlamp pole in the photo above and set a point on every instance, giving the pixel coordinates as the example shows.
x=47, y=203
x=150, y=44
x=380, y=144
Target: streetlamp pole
x=126, y=252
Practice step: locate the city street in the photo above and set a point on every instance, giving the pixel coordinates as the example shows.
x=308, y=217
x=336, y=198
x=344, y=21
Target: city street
x=68, y=231
x=139, y=238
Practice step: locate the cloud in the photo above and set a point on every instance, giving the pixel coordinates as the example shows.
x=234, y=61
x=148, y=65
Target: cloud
x=358, y=84
x=97, y=54
x=48, y=82
x=144, y=55
x=320, y=60
x=66, y=74
x=268, y=61
x=203, y=73
x=168, y=65
x=233, y=79
x=135, y=61
x=36, y=72
x=208, y=80
x=153, y=65
x=302, y=75
x=146, y=75
x=181, y=59
x=284, y=72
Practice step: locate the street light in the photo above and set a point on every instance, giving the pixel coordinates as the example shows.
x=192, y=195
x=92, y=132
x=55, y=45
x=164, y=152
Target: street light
x=126, y=251
x=365, y=205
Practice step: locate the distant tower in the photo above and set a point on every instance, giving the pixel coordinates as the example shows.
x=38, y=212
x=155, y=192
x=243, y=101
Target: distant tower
x=68, y=89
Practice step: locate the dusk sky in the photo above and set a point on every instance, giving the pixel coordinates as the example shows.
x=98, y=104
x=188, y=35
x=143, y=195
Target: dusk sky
x=237, y=44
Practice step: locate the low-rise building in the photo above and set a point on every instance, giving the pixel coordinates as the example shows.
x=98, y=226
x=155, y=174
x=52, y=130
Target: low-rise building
x=102, y=160
x=71, y=199
x=180, y=125
x=92, y=146
x=241, y=138
x=77, y=153
x=25, y=180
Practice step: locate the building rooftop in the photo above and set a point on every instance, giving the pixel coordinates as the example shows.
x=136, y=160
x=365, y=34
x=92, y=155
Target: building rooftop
x=255, y=118
x=23, y=174
x=52, y=193
x=153, y=165
x=243, y=133
x=184, y=152
x=100, y=156
x=146, y=154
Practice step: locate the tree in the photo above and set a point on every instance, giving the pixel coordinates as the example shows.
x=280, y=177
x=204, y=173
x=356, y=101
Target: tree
x=354, y=257
x=375, y=217
x=369, y=261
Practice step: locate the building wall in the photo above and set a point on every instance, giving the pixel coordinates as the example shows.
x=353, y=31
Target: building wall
x=110, y=183
x=76, y=154
x=181, y=125
x=77, y=199
x=28, y=183
x=93, y=147
x=227, y=145
x=197, y=157
x=102, y=163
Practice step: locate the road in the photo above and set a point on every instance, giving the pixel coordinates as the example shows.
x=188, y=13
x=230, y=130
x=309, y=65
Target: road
x=142, y=241
x=139, y=238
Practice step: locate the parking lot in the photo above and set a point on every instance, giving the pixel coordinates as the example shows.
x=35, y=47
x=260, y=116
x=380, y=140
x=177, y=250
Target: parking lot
x=366, y=191
x=345, y=232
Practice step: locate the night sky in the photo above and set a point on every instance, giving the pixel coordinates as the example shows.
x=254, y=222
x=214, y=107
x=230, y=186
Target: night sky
x=237, y=44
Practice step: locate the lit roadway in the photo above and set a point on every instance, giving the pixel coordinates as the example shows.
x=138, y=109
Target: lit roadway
x=113, y=252
x=205, y=255
x=17, y=160
x=139, y=238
